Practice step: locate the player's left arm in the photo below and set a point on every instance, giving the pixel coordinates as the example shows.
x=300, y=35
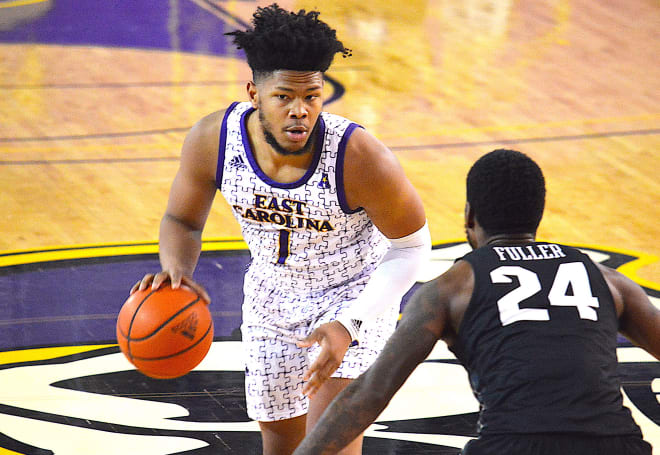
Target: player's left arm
x=426, y=319
x=639, y=319
x=375, y=181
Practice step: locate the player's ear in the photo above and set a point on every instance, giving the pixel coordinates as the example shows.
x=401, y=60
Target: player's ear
x=253, y=94
x=469, y=216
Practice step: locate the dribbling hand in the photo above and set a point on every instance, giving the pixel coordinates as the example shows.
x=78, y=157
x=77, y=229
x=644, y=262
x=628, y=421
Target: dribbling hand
x=175, y=279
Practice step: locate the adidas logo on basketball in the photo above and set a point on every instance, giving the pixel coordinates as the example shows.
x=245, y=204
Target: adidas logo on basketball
x=237, y=162
x=187, y=327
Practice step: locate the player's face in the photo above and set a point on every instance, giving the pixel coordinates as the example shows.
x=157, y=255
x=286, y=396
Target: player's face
x=289, y=104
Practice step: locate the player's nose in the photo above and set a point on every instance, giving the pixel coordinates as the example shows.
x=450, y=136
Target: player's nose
x=297, y=109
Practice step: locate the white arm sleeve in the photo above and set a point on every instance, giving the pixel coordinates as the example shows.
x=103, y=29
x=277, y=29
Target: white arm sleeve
x=390, y=281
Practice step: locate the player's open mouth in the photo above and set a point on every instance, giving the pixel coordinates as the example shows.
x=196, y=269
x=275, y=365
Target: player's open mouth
x=297, y=134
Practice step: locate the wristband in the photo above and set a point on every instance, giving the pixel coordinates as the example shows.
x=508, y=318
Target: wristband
x=353, y=328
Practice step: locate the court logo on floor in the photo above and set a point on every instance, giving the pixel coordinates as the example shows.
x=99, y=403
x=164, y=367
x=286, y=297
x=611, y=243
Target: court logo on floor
x=76, y=394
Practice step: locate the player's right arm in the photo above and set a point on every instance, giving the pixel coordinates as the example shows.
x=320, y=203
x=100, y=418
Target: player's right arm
x=191, y=196
x=639, y=319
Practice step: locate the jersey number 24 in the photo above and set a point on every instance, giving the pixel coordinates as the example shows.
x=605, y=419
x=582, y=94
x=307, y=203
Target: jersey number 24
x=572, y=274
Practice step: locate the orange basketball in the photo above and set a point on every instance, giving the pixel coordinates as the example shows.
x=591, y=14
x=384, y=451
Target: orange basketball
x=165, y=333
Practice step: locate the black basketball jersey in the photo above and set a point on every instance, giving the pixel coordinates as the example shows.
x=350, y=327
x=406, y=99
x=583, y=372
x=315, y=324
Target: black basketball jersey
x=538, y=340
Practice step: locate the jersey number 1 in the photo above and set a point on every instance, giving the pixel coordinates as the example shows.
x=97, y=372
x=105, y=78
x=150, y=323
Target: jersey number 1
x=572, y=274
x=283, y=252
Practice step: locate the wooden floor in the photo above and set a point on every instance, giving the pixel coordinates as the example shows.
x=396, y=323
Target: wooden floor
x=91, y=124
x=89, y=135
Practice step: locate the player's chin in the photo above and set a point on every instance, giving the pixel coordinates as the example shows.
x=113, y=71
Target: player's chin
x=294, y=149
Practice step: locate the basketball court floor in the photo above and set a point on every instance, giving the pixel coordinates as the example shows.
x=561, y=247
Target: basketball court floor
x=96, y=98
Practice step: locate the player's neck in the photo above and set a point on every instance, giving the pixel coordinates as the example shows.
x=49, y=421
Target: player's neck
x=510, y=239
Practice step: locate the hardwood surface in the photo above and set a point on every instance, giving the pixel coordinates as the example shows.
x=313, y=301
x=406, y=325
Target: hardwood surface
x=95, y=103
x=90, y=135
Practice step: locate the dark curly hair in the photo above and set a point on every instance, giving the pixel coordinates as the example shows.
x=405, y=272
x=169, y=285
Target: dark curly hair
x=283, y=40
x=506, y=191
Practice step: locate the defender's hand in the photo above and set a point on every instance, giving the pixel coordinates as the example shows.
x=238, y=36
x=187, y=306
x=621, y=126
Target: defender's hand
x=334, y=340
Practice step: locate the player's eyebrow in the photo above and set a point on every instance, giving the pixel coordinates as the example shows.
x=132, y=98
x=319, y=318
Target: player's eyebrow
x=288, y=89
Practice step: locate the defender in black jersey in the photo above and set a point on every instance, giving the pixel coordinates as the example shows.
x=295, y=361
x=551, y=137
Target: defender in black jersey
x=535, y=325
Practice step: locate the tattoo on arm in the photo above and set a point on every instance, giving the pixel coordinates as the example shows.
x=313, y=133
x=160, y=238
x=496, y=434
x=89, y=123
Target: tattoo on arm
x=355, y=408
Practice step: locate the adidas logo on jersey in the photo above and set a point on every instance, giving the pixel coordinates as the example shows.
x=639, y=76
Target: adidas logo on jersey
x=237, y=162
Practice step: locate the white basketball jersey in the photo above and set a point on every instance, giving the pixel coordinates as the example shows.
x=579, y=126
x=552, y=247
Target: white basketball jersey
x=302, y=236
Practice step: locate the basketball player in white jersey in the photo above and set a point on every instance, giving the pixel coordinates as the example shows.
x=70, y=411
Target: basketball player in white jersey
x=336, y=231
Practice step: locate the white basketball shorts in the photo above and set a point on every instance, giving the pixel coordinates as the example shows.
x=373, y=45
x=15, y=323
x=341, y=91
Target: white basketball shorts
x=275, y=365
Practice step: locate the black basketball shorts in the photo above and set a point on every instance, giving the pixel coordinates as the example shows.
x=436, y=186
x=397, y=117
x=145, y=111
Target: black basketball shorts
x=557, y=444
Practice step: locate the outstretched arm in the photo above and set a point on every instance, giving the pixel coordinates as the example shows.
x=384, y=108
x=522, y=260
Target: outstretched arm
x=639, y=319
x=428, y=316
x=364, y=399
